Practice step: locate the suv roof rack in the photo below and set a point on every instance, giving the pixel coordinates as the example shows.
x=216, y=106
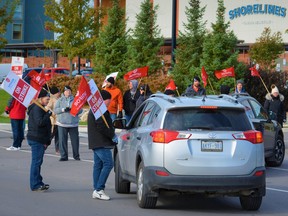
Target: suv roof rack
x=237, y=95
x=164, y=96
x=228, y=97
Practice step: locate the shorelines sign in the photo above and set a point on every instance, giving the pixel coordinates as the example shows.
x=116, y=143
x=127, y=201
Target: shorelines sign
x=256, y=9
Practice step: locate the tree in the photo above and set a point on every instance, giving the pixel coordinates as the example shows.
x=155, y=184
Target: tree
x=7, y=9
x=190, y=45
x=219, y=51
x=77, y=26
x=267, y=48
x=145, y=40
x=111, y=46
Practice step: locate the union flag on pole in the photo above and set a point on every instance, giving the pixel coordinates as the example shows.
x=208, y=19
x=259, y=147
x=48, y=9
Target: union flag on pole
x=227, y=72
x=136, y=73
x=37, y=79
x=171, y=85
x=204, y=76
x=254, y=71
x=81, y=97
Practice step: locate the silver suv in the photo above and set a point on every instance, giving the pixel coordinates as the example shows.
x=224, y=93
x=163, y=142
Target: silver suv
x=200, y=145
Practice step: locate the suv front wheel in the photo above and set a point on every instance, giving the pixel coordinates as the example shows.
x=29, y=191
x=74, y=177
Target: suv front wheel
x=279, y=153
x=144, y=201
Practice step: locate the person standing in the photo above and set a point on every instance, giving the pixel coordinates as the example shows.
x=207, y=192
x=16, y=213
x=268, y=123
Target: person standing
x=100, y=141
x=67, y=124
x=38, y=137
x=239, y=87
x=17, y=114
x=195, y=89
x=274, y=105
x=116, y=104
x=145, y=93
x=55, y=95
x=129, y=99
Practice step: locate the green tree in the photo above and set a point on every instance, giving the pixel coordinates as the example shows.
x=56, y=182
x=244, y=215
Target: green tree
x=145, y=40
x=111, y=46
x=267, y=49
x=76, y=24
x=219, y=51
x=7, y=9
x=190, y=45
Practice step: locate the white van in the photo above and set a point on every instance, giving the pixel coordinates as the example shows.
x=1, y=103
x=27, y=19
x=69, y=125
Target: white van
x=5, y=69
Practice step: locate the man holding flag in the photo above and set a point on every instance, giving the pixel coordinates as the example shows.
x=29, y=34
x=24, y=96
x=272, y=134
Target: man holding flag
x=195, y=89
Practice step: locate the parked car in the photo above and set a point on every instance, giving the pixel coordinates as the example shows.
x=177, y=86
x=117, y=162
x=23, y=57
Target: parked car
x=27, y=70
x=273, y=135
x=201, y=145
x=6, y=68
x=85, y=72
x=51, y=72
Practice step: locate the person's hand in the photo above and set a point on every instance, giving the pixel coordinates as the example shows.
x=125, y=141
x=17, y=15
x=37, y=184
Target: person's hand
x=49, y=112
x=67, y=109
x=284, y=120
x=120, y=114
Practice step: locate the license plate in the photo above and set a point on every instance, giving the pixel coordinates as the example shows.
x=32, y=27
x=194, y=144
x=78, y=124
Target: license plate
x=212, y=146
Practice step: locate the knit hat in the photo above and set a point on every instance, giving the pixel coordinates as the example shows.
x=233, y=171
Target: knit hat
x=105, y=94
x=67, y=88
x=43, y=93
x=111, y=80
x=196, y=78
x=240, y=81
x=54, y=90
x=274, y=90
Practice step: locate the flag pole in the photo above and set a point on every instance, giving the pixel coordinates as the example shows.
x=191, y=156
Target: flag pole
x=235, y=84
x=211, y=85
x=264, y=84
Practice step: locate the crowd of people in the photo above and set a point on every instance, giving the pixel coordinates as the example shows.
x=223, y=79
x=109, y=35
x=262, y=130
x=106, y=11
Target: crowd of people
x=50, y=119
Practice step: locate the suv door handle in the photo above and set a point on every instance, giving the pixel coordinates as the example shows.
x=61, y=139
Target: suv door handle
x=138, y=138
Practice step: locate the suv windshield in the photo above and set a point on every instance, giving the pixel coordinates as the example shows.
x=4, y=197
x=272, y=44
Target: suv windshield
x=207, y=119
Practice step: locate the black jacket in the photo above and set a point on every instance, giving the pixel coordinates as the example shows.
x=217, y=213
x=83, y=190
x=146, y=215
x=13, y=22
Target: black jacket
x=99, y=135
x=39, y=125
x=189, y=92
x=129, y=101
x=276, y=106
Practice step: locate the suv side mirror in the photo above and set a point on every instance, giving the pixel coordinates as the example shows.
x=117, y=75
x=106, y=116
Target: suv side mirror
x=119, y=123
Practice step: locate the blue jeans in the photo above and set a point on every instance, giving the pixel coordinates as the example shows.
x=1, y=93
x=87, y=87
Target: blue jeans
x=103, y=164
x=38, y=150
x=18, y=131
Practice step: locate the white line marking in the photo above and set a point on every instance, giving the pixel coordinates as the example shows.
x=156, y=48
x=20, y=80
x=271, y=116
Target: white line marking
x=279, y=190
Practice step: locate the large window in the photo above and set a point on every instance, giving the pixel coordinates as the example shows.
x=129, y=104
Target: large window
x=18, y=14
x=17, y=31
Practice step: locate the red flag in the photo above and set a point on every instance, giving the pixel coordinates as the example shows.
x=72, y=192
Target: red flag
x=81, y=97
x=136, y=73
x=37, y=80
x=204, y=76
x=171, y=85
x=228, y=72
x=254, y=72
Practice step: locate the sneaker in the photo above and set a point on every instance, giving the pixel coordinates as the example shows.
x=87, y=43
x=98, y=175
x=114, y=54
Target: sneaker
x=12, y=148
x=42, y=188
x=100, y=195
x=63, y=159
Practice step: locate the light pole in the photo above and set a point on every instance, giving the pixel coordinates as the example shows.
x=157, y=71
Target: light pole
x=173, y=45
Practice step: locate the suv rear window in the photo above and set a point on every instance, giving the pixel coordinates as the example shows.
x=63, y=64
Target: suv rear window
x=207, y=119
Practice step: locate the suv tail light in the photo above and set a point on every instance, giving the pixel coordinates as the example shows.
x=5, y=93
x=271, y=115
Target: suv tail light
x=166, y=136
x=252, y=136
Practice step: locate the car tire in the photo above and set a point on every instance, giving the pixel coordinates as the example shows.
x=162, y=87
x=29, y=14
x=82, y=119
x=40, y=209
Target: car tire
x=121, y=185
x=279, y=153
x=250, y=203
x=144, y=201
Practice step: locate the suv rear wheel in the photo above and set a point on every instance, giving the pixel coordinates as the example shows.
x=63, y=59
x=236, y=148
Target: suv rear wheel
x=250, y=203
x=121, y=186
x=144, y=201
x=279, y=153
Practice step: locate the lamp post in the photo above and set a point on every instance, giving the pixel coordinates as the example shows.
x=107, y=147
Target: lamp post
x=173, y=45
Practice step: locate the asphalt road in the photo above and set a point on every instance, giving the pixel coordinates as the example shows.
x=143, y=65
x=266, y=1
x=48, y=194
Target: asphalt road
x=71, y=189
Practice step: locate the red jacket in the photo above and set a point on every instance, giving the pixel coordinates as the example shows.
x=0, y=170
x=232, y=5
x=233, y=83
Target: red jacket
x=116, y=103
x=16, y=110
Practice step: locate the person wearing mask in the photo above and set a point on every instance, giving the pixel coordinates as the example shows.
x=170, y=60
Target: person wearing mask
x=17, y=114
x=195, y=89
x=116, y=104
x=274, y=105
x=39, y=138
x=145, y=93
x=239, y=87
x=55, y=95
x=129, y=99
x=100, y=141
x=67, y=124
